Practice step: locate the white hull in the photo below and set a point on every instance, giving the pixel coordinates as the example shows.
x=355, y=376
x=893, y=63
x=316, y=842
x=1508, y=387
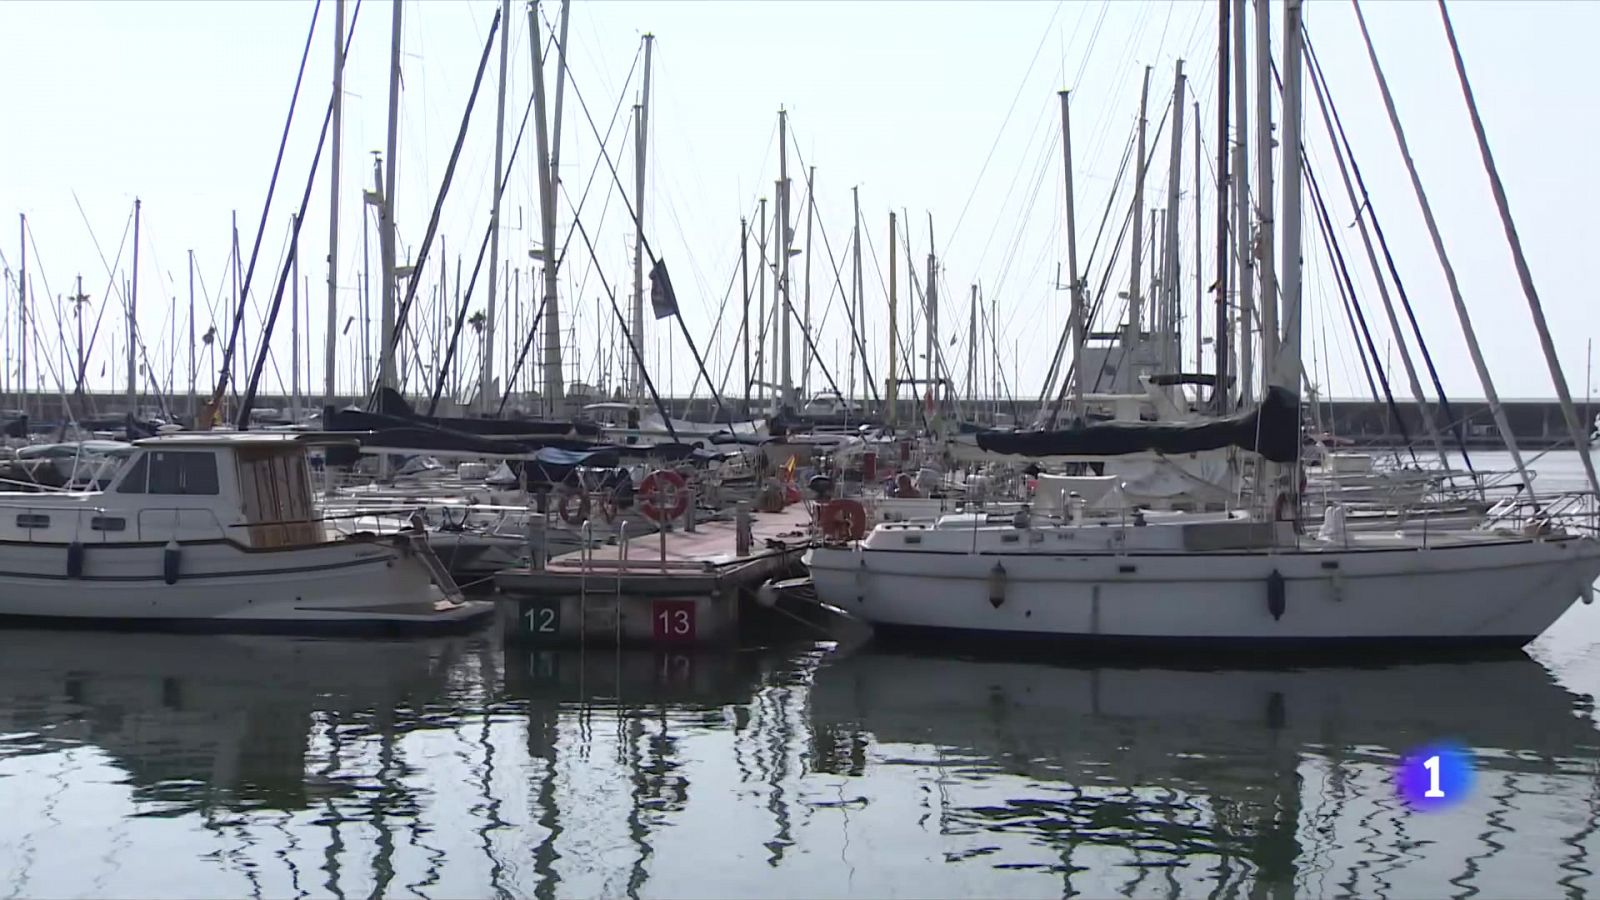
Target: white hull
x=354, y=584
x=1471, y=592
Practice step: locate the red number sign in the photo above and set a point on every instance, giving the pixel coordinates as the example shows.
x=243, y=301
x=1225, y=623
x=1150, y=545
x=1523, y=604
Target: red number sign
x=673, y=620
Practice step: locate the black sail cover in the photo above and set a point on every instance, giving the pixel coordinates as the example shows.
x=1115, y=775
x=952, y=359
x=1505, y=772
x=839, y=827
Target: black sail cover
x=1272, y=429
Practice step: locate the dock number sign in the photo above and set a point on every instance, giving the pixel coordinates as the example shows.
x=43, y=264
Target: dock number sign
x=540, y=621
x=673, y=620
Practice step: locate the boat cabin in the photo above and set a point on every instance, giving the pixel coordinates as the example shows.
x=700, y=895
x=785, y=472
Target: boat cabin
x=830, y=403
x=612, y=415
x=252, y=488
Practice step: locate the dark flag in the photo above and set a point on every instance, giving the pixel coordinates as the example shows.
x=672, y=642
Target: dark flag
x=662, y=299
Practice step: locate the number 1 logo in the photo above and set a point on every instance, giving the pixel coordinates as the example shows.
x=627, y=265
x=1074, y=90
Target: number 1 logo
x=1432, y=765
x=1434, y=777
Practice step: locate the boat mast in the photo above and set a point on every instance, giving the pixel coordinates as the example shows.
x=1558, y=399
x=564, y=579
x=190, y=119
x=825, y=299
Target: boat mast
x=761, y=308
x=744, y=327
x=855, y=293
x=366, y=284
x=1221, y=394
x=641, y=114
x=1285, y=365
x=784, y=310
x=1580, y=435
x=553, y=393
x=329, y=375
x=1075, y=312
x=892, y=383
x=1241, y=217
x=294, y=320
x=22, y=315
x=1169, y=220
x=931, y=297
x=972, y=348
x=805, y=325
x=192, y=399
x=1264, y=190
x=1135, y=313
x=486, y=376
x=238, y=294
x=79, y=298
x=386, y=231
x=776, y=321
x=133, y=319
x=1199, y=296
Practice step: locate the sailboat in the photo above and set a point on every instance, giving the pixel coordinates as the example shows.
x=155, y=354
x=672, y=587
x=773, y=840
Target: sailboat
x=1236, y=579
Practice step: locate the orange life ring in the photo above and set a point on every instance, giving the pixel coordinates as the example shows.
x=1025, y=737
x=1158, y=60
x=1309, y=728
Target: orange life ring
x=663, y=495
x=843, y=520
x=575, y=513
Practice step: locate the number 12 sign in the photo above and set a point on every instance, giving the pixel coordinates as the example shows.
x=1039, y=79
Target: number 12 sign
x=673, y=621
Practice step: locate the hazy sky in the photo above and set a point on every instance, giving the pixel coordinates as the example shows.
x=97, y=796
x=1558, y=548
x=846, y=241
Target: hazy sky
x=945, y=109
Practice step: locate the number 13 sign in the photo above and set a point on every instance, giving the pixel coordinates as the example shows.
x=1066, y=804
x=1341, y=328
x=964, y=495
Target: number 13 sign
x=673, y=620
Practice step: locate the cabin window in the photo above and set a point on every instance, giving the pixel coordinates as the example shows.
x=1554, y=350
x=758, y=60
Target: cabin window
x=108, y=523
x=181, y=473
x=32, y=520
x=138, y=474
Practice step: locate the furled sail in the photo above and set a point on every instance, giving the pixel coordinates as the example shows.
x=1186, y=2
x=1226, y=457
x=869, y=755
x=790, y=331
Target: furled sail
x=1272, y=429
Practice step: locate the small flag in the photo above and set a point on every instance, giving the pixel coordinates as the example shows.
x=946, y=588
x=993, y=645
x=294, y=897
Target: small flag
x=662, y=299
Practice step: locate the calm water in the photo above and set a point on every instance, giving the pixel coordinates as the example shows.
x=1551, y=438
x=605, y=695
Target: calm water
x=149, y=765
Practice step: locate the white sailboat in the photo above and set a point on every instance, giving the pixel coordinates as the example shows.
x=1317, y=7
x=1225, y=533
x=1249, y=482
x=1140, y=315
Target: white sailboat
x=1217, y=580
x=215, y=531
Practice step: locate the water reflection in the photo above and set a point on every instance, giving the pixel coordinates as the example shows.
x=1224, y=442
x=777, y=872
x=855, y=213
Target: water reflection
x=1176, y=782
x=205, y=766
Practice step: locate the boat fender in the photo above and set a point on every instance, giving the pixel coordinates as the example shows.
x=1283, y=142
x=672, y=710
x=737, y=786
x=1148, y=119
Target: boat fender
x=997, y=585
x=1587, y=593
x=1276, y=601
x=75, y=560
x=171, y=557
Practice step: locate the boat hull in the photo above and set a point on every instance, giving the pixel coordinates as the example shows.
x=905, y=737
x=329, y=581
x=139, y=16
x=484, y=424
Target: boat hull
x=1472, y=594
x=336, y=587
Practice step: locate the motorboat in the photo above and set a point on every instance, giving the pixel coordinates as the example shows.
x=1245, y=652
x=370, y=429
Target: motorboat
x=215, y=531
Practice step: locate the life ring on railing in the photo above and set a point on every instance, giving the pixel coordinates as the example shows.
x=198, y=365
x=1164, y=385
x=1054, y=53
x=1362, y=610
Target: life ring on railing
x=663, y=495
x=842, y=520
x=575, y=513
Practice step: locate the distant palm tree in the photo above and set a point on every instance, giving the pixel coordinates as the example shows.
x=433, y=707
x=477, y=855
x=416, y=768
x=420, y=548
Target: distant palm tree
x=478, y=321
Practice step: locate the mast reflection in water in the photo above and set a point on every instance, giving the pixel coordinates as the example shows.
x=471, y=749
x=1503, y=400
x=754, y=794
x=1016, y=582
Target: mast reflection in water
x=150, y=765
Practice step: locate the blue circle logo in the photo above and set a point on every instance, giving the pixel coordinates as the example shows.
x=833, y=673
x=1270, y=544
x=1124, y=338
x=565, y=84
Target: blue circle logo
x=1434, y=777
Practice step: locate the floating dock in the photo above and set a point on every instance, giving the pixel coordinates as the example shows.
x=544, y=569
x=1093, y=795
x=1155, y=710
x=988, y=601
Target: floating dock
x=681, y=586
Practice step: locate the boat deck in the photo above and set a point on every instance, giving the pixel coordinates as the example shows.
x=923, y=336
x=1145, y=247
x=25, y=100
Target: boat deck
x=673, y=563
